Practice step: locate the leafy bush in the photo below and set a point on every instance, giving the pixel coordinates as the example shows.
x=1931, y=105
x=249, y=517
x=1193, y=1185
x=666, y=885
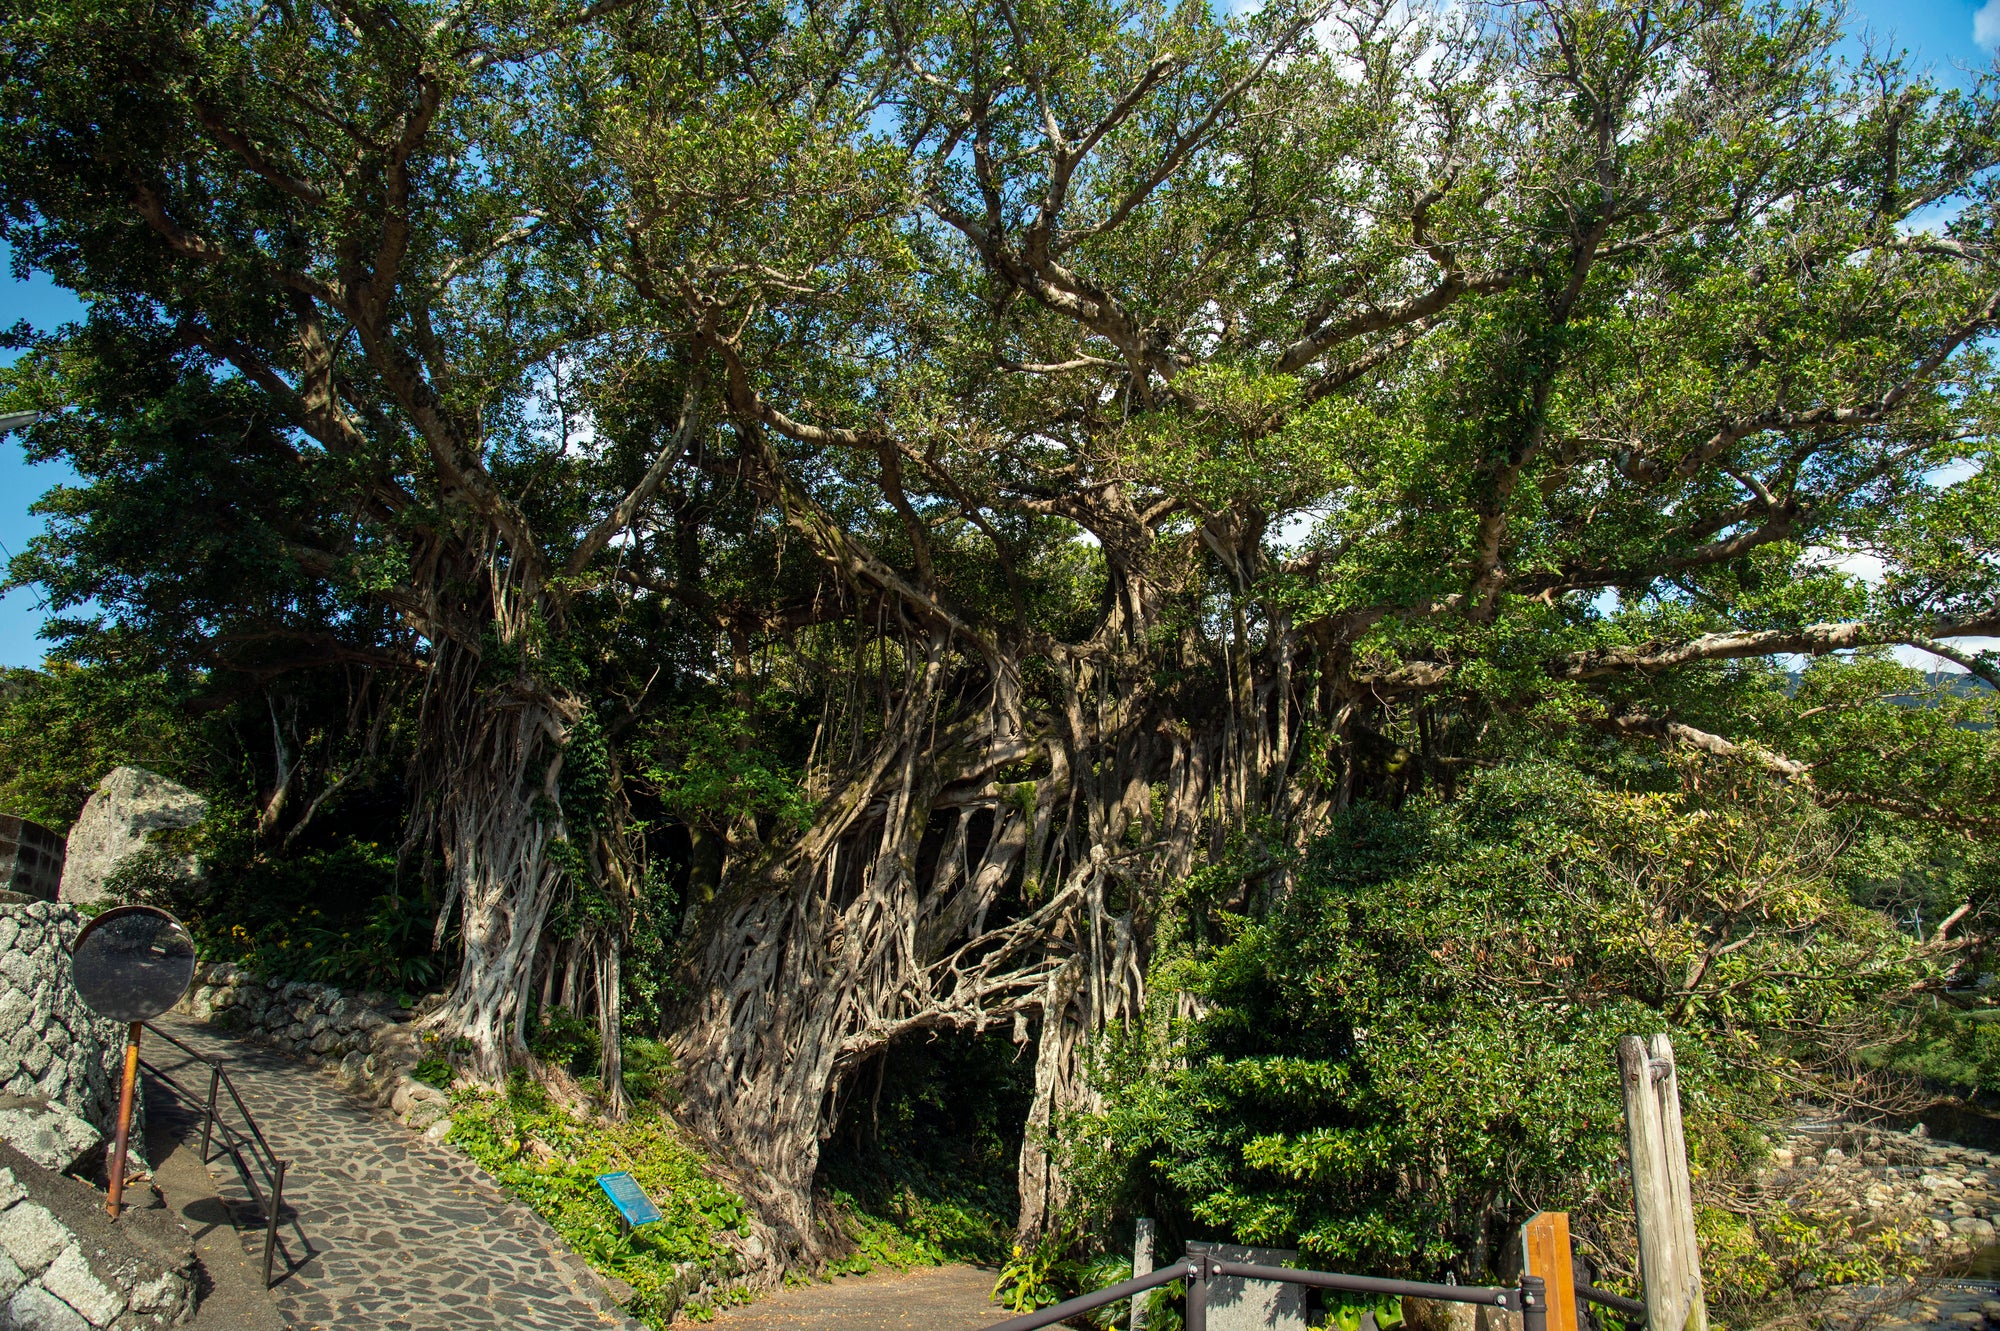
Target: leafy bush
x=650, y=1074
x=1413, y=1050
x=565, y=1039
x=1950, y=1048
x=332, y=914
x=434, y=1071
x=550, y=1159
x=1040, y=1276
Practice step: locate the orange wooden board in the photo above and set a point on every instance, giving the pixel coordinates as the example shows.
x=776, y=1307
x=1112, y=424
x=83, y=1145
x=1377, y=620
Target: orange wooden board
x=1545, y=1249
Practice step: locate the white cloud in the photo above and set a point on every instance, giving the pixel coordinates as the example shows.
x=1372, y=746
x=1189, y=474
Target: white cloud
x=1869, y=568
x=1986, y=25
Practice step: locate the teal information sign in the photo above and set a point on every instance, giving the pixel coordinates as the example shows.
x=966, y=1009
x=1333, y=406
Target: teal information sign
x=625, y=1194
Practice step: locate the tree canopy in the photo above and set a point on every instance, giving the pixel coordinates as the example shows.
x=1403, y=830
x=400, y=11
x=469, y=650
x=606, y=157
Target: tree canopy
x=917, y=485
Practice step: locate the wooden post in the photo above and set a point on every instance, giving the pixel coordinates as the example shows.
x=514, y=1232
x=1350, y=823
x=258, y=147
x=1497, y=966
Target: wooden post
x=1662, y=1200
x=1545, y=1253
x=1142, y=1265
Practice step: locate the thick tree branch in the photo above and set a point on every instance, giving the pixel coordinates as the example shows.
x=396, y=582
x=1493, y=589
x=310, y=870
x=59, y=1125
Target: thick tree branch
x=1811, y=640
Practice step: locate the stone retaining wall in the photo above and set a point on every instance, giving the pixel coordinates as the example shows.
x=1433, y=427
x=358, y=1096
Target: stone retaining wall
x=315, y=1022
x=366, y=1043
x=51, y=1045
x=65, y=1266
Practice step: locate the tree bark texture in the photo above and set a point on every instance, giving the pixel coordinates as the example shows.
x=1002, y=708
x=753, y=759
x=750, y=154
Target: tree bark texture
x=987, y=859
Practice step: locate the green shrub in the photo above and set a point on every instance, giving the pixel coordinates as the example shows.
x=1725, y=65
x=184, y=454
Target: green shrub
x=567, y=1040
x=332, y=914
x=434, y=1071
x=1038, y=1277
x=1950, y=1048
x=1413, y=1050
x=650, y=1074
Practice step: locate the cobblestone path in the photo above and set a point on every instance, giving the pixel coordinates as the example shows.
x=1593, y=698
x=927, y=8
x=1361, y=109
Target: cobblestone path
x=386, y=1230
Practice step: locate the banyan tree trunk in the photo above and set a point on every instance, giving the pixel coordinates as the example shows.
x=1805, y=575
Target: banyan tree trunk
x=762, y=1051
x=818, y=955
x=809, y=960
x=493, y=759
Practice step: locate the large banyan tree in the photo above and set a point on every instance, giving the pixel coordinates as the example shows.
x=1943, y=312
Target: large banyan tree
x=1066, y=451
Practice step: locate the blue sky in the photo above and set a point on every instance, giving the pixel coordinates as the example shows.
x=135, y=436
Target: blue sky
x=42, y=303
x=1946, y=35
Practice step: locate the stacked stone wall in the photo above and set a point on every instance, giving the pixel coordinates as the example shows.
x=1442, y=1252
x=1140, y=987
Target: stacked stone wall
x=317, y=1023
x=51, y=1045
x=65, y=1266
x=364, y=1042
x=1945, y=1197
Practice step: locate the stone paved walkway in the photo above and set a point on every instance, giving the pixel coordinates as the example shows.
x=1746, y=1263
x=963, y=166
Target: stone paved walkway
x=386, y=1230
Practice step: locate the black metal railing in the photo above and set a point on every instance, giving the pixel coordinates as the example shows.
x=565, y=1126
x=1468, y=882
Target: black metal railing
x=246, y=1145
x=1633, y=1311
x=1197, y=1269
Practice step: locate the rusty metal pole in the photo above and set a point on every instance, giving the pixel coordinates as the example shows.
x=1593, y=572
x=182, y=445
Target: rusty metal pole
x=123, y=1139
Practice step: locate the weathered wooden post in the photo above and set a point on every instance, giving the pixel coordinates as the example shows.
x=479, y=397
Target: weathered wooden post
x=1142, y=1265
x=1662, y=1200
x=1545, y=1253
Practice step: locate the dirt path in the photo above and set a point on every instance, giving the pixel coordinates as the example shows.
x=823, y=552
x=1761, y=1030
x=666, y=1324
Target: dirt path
x=942, y=1298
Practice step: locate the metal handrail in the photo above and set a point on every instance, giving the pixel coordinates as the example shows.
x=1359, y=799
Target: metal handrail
x=1616, y=1302
x=235, y=1144
x=1199, y=1268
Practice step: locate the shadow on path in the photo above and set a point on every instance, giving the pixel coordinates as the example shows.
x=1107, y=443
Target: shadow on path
x=232, y=1294
x=383, y=1229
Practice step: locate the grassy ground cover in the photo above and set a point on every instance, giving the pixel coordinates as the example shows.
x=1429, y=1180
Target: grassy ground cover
x=550, y=1157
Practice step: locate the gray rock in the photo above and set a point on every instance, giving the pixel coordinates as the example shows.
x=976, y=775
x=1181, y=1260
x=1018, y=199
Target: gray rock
x=160, y=1294
x=32, y=1236
x=35, y=1309
x=50, y=1137
x=118, y=821
x=69, y=1278
x=12, y=1277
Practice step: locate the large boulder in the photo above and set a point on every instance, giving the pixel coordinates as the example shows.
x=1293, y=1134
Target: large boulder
x=118, y=821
